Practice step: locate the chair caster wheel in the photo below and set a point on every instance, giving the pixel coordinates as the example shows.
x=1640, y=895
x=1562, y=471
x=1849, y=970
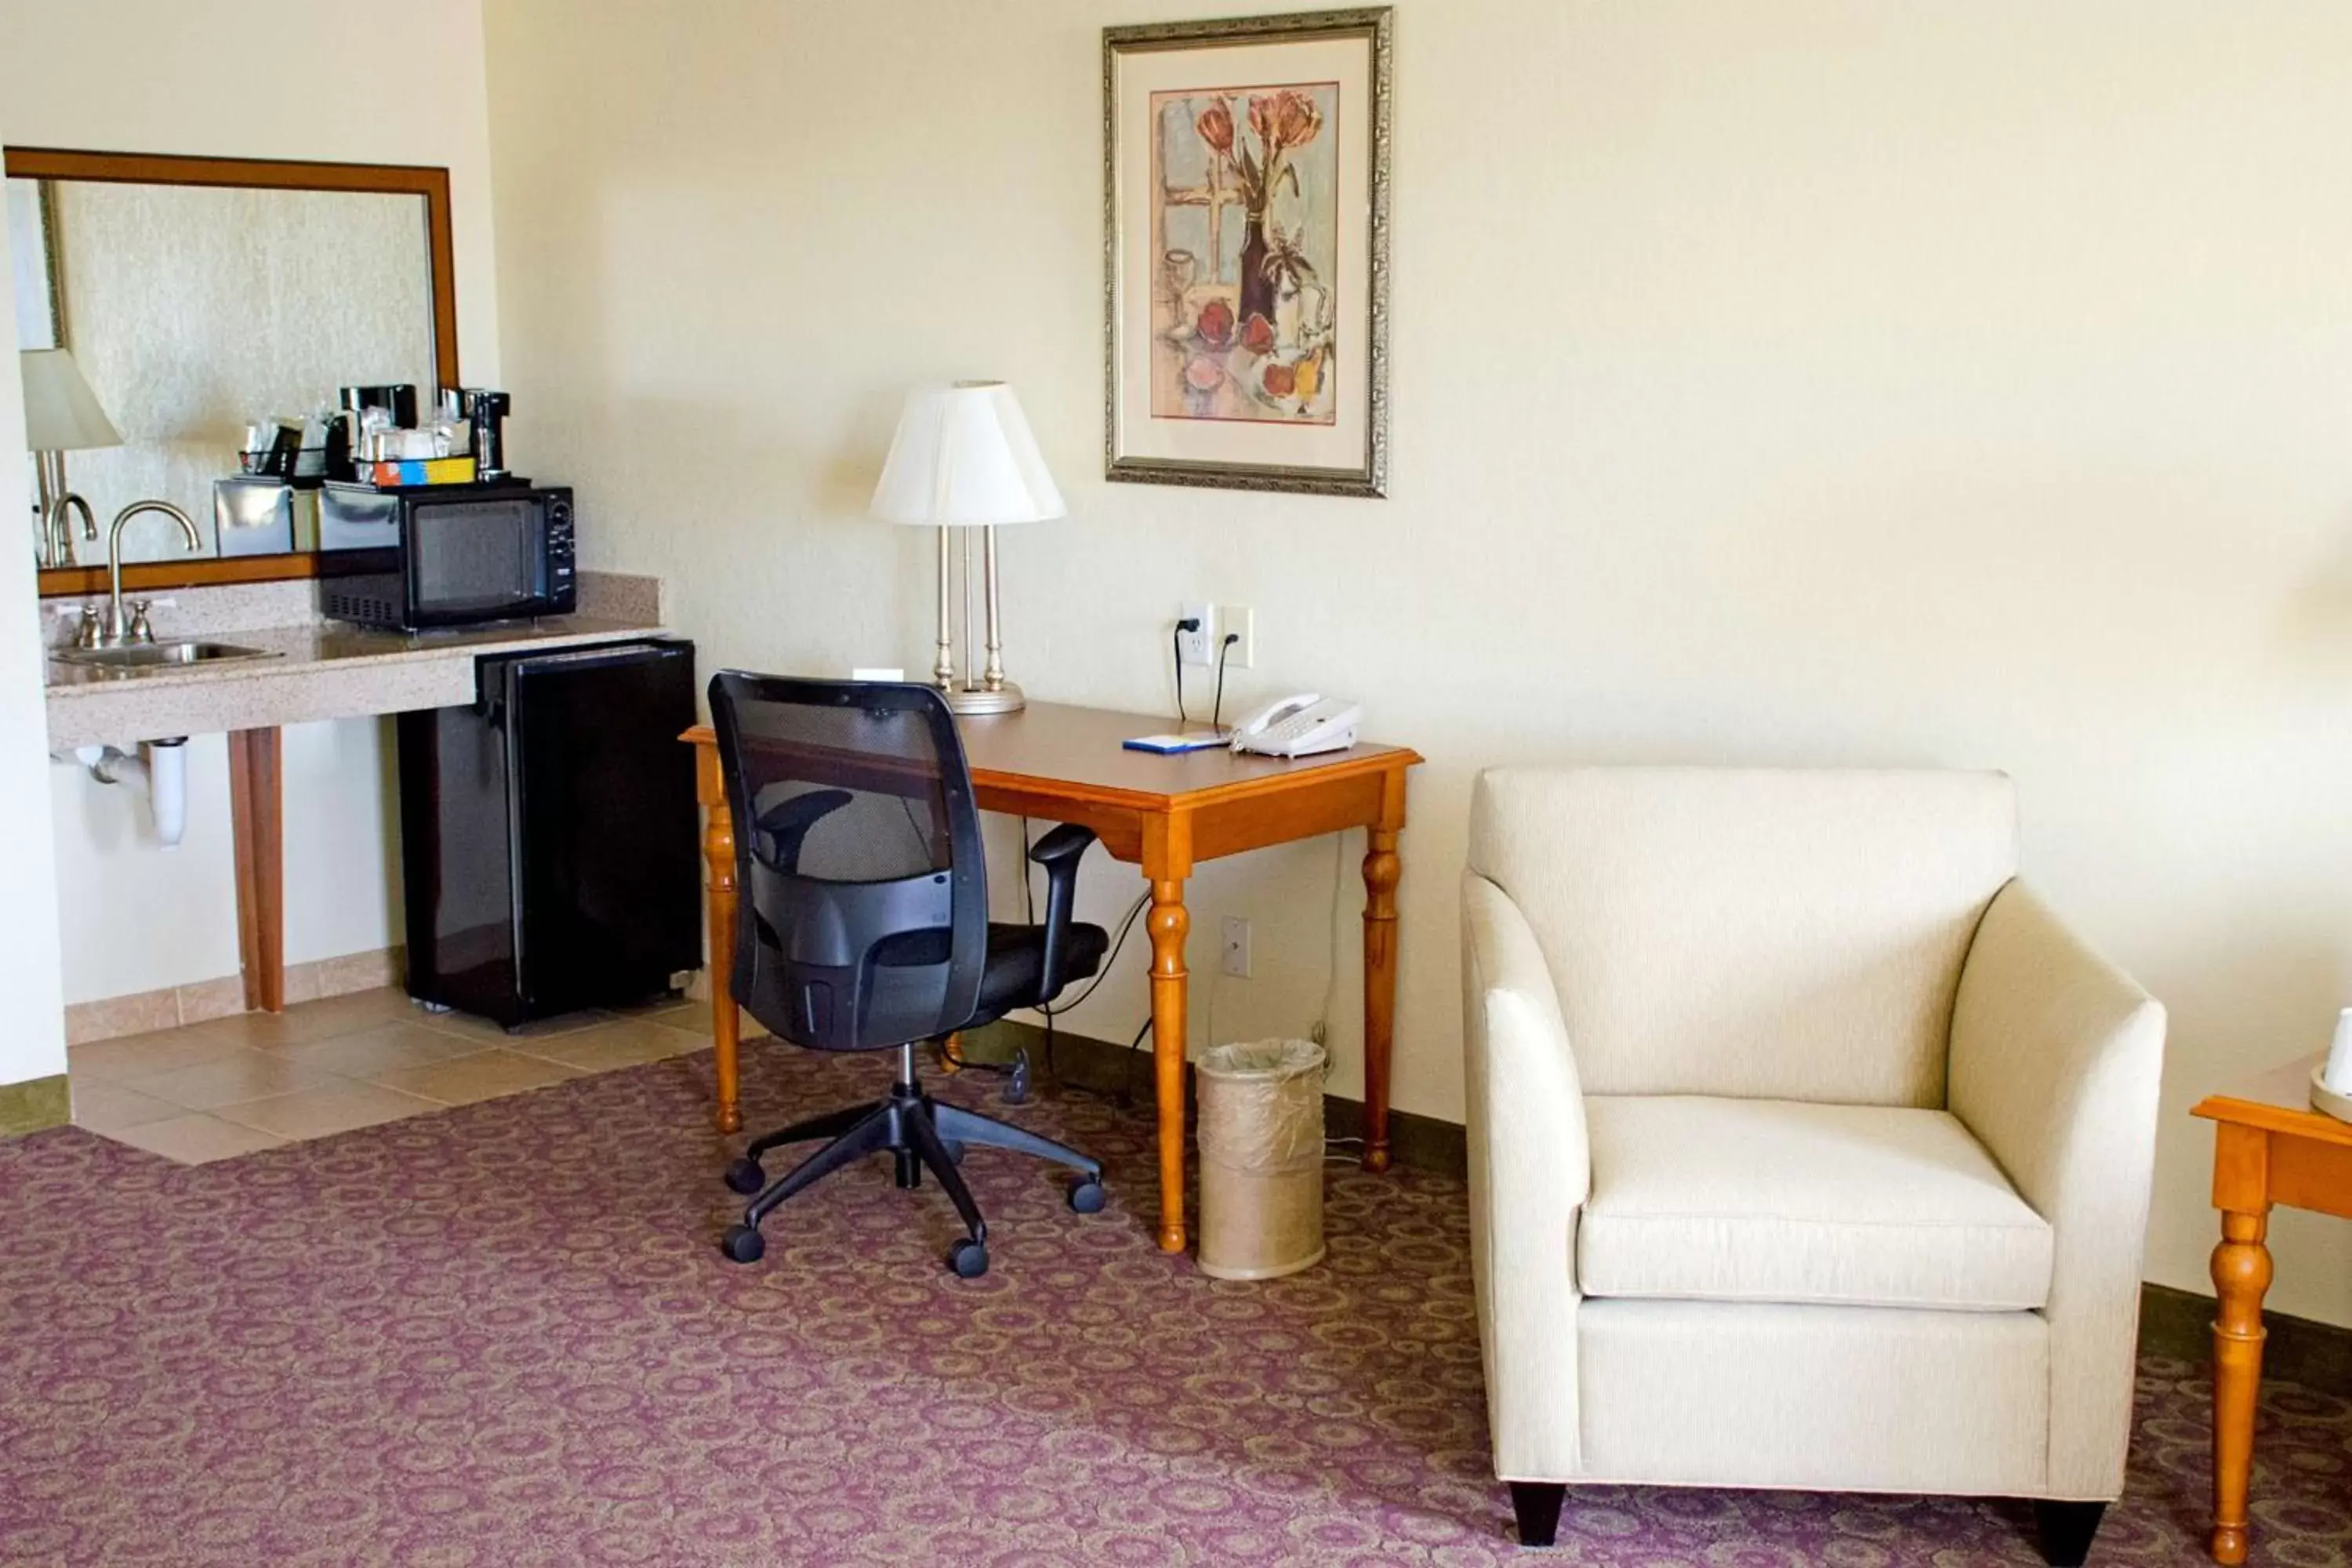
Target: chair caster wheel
x=745, y=1176
x=1086, y=1197
x=968, y=1258
x=742, y=1244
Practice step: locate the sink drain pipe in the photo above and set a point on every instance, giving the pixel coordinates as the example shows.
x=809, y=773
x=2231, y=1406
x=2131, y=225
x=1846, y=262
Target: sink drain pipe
x=163, y=774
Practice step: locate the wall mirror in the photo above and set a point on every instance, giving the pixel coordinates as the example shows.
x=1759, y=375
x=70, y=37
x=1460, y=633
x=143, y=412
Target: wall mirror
x=196, y=298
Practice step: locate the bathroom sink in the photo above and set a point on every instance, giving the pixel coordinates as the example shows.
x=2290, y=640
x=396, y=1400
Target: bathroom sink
x=134, y=657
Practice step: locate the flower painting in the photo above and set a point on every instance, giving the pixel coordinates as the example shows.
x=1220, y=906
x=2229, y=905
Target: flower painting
x=1246, y=244
x=1246, y=228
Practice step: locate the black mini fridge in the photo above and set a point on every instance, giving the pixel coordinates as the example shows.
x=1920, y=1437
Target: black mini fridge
x=549, y=833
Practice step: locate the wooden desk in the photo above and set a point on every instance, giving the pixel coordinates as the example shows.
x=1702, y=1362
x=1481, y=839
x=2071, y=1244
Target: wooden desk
x=2269, y=1147
x=1166, y=814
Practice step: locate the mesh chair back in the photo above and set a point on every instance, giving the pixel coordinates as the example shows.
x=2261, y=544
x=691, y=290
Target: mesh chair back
x=857, y=859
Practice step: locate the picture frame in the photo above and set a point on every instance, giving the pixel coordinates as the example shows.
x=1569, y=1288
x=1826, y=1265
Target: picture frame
x=1245, y=239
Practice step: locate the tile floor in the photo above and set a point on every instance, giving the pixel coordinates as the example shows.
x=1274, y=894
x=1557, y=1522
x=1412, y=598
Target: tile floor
x=207, y=1091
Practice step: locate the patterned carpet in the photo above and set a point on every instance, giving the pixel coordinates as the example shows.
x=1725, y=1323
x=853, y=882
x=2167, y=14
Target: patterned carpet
x=503, y=1335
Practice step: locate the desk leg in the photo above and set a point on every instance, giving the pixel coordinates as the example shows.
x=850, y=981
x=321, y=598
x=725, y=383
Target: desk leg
x=257, y=826
x=1382, y=867
x=2242, y=1275
x=1169, y=979
x=726, y=1024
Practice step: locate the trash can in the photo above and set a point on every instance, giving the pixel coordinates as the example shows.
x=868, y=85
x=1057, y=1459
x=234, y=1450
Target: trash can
x=1261, y=1158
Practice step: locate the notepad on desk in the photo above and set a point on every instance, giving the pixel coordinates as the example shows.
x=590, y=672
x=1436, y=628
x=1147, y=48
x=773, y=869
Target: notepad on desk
x=1169, y=745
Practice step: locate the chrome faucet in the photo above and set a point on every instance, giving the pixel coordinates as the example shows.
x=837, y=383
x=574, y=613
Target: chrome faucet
x=116, y=631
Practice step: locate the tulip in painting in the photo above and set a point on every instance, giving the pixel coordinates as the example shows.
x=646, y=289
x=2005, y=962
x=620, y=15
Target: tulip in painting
x=1245, y=223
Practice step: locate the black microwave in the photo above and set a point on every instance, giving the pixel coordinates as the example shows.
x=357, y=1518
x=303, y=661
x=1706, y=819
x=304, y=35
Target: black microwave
x=445, y=555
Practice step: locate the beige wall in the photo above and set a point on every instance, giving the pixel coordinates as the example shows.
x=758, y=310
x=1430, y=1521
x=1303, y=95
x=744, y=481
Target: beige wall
x=251, y=79
x=1805, y=380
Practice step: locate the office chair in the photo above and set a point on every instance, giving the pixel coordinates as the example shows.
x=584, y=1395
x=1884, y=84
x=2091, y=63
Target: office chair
x=865, y=926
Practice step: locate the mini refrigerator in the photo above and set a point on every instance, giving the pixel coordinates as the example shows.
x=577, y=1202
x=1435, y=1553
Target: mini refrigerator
x=549, y=833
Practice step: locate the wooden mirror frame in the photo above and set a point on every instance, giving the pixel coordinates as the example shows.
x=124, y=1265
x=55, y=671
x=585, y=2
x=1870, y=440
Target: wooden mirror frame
x=269, y=173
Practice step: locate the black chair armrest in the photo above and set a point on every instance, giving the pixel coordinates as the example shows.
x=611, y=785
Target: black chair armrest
x=1059, y=852
x=786, y=827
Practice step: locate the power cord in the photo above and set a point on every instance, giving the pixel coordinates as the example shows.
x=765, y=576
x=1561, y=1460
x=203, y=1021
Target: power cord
x=1176, y=657
x=1217, y=709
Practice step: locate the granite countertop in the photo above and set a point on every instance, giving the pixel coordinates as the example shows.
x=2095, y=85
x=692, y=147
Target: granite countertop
x=328, y=642
x=321, y=669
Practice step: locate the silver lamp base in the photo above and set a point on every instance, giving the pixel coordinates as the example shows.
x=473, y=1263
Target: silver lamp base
x=985, y=689
x=980, y=700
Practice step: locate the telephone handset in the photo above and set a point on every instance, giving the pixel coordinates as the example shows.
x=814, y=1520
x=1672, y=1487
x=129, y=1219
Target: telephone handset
x=1300, y=726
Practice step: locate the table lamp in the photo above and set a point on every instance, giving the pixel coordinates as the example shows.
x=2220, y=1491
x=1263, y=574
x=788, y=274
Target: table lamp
x=61, y=414
x=963, y=458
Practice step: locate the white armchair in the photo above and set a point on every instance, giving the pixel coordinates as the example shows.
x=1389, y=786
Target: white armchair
x=1807, y=1148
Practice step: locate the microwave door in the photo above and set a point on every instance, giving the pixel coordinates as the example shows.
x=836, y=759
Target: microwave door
x=471, y=561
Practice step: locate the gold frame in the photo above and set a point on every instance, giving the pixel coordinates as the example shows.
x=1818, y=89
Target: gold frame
x=1375, y=24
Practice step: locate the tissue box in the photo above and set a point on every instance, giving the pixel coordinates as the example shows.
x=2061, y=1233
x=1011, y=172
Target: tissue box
x=422, y=471
x=253, y=516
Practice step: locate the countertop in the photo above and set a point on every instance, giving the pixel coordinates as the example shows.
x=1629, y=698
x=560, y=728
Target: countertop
x=322, y=670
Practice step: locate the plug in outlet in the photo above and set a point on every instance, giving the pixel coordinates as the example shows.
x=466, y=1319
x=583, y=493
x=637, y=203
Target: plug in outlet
x=1235, y=959
x=1240, y=623
x=1198, y=646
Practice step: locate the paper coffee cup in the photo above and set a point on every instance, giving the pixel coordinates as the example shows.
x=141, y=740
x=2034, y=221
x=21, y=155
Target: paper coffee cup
x=2337, y=1074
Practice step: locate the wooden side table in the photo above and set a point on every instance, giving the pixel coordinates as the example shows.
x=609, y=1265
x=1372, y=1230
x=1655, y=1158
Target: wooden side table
x=2269, y=1147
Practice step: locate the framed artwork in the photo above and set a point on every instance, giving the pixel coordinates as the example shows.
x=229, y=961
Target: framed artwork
x=1245, y=216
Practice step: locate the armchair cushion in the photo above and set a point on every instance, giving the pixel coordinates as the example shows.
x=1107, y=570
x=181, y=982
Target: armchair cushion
x=1703, y=1199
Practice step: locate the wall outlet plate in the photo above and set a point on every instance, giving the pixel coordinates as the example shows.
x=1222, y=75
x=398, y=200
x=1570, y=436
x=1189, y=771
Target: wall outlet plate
x=1199, y=645
x=1240, y=623
x=1235, y=959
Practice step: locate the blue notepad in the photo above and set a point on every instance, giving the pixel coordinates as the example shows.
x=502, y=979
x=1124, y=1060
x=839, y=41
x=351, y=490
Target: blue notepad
x=1167, y=745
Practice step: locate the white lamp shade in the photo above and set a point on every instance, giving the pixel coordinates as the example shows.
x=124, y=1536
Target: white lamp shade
x=963, y=456
x=61, y=413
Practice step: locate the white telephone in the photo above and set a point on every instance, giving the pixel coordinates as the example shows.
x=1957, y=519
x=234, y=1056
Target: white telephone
x=1300, y=726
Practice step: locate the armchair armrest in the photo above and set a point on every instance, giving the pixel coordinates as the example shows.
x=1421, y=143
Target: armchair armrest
x=2055, y=1060
x=1530, y=1171
x=1059, y=852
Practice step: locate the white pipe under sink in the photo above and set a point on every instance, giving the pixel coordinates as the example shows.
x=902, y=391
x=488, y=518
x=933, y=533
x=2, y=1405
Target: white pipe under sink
x=163, y=774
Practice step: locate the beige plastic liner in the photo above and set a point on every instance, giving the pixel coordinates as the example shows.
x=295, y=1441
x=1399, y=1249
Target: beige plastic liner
x=1261, y=1138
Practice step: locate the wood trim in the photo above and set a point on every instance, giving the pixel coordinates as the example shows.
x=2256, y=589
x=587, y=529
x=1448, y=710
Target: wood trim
x=265, y=174
x=74, y=581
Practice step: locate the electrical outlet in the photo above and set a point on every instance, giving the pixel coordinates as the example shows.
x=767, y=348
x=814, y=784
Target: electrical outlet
x=1236, y=960
x=1240, y=623
x=1198, y=646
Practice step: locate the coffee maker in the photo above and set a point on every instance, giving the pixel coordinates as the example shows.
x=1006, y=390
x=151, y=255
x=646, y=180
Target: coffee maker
x=487, y=412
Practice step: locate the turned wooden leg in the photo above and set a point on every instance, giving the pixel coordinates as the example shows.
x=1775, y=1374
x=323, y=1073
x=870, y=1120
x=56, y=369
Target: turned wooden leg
x=2242, y=1275
x=1382, y=870
x=1169, y=924
x=718, y=856
x=257, y=825
x=1537, y=1503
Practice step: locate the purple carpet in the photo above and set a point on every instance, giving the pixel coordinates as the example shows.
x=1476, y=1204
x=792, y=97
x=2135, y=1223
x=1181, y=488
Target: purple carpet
x=503, y=1335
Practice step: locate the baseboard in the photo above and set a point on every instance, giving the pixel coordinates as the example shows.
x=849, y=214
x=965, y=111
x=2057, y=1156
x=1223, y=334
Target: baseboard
x=34, y=1106
x=147, y=1011
x=1100, y=1067
x=2179, y=1323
